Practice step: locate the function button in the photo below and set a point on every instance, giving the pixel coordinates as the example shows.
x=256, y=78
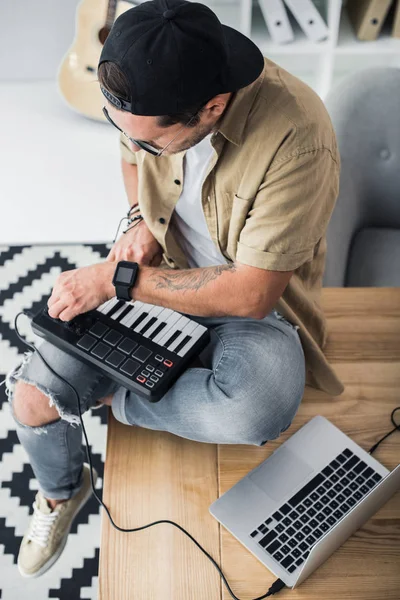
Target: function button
x=268, y=538
x=98, y=329
x=162, y=367
x=130, y=367
x=263, y=529
x=101, y=350
x=287, y=561
x=127, y=345
x=86, y=342
x=141, y=378
x=350, y=463
x=254, y=533
x=115, y=358
x=327, y=471
x=359, y=467
x=112, y=337
x=285, y=509
x=159, y=373
x=272, y=547
x=154, y=378
x=145, y=373
x=168, y=362
x=158, y=357
x=149, y=384
x=142, y=353
x=368, y=472
x=150, y=368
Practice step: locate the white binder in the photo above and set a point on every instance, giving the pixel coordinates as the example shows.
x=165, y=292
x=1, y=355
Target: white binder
x=277, y=20
x=309, y=19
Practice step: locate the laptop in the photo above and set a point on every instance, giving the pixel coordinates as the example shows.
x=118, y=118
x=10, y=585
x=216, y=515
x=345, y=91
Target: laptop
x=300, y=504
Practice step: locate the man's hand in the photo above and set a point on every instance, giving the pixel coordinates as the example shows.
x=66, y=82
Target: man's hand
x=80, y=290
x=138, y=245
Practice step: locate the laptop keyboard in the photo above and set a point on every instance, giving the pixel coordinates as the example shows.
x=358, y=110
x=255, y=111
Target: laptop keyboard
x=290, y=532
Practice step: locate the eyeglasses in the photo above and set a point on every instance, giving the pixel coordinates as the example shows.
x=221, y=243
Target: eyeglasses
x=144, y=145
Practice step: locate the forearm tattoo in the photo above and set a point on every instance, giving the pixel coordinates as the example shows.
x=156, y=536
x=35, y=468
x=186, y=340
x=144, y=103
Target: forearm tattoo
x=190, y=279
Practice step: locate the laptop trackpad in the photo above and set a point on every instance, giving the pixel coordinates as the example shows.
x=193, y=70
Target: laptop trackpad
x=280, y=474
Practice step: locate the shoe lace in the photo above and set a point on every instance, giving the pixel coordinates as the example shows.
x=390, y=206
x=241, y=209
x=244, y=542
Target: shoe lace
x=41, y=526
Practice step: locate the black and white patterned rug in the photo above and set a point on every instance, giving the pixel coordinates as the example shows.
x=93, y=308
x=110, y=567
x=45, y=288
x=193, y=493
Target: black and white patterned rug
x=27, y=275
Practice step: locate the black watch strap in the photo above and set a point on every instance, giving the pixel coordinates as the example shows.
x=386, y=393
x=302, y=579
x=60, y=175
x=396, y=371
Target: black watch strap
x=124, y=279
x=123, y=292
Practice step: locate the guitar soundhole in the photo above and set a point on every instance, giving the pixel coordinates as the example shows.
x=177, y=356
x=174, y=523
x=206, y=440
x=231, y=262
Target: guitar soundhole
x=103, y=34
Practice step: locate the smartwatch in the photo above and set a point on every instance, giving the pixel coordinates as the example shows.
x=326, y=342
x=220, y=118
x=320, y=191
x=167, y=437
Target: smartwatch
x=124, y=278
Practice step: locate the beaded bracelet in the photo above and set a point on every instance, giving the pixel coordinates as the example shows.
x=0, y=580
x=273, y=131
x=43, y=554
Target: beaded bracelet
x=129, y=228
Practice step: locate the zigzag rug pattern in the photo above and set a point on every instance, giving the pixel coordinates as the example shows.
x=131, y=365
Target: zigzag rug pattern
x=27, y=275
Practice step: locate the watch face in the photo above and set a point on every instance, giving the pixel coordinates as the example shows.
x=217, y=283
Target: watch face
x=124, y=275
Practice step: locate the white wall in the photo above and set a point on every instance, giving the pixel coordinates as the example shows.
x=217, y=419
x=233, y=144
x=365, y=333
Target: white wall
x=60, y=175
x=35, y=35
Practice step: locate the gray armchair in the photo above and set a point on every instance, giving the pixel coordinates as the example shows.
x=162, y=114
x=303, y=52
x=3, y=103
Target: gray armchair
x=363, y=236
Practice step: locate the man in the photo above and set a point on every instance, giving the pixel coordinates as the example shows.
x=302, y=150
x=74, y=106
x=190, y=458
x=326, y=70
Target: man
x=233, y=165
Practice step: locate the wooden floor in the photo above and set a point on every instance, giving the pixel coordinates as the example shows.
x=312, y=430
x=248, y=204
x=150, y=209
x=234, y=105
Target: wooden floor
x=153, y=475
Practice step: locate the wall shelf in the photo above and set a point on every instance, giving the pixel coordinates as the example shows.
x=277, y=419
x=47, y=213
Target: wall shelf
x=320, y=64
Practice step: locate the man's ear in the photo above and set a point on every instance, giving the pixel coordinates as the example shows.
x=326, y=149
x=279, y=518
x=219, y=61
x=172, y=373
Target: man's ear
x=217, y=105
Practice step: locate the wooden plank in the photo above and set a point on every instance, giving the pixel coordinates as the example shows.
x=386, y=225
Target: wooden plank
x=366, y=339
x=363, y=324
x=357, y=302
x=363, y=345
x=151, y=475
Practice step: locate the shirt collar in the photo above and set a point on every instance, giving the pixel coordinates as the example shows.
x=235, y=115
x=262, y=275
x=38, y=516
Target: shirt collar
x=235, y=117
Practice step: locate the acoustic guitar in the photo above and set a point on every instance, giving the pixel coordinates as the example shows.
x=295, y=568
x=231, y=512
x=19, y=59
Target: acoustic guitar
x=77, y=75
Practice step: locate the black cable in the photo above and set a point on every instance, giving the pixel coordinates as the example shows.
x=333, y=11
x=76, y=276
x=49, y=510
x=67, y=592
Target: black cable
x=119, y=225
x=396, y=428
x=129, y=219
x=275, y=587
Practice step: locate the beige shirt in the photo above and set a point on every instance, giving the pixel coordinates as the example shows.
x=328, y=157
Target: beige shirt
x=267, y=197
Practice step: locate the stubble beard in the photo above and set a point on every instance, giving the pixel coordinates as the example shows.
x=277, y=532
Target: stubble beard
x=198, y=135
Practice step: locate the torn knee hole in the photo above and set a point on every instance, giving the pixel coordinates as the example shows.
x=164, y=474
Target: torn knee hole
x=17, y=375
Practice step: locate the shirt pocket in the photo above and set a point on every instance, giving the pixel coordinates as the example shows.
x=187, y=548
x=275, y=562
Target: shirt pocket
x=240, y=209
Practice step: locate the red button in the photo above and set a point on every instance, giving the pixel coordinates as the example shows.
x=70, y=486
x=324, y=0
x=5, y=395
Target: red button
x=141, y=378
x=168, y=363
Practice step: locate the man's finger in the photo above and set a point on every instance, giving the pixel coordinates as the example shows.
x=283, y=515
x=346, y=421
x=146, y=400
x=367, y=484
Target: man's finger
x=56, y=308
x=52, y=300
x=67, y=314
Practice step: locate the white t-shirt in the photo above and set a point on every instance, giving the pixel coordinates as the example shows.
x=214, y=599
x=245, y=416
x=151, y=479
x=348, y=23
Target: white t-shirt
x=188, y=220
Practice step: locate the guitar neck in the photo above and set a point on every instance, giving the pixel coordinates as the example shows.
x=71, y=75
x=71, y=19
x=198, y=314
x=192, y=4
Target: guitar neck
x=111, y=11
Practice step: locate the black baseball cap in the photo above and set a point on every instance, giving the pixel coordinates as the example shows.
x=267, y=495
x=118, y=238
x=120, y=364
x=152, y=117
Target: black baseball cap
x=175, y=54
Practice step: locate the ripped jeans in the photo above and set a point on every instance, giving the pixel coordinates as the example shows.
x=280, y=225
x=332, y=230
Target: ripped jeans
x=248, y=392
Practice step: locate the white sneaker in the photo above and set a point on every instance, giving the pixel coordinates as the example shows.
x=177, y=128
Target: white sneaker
x=48, y=531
